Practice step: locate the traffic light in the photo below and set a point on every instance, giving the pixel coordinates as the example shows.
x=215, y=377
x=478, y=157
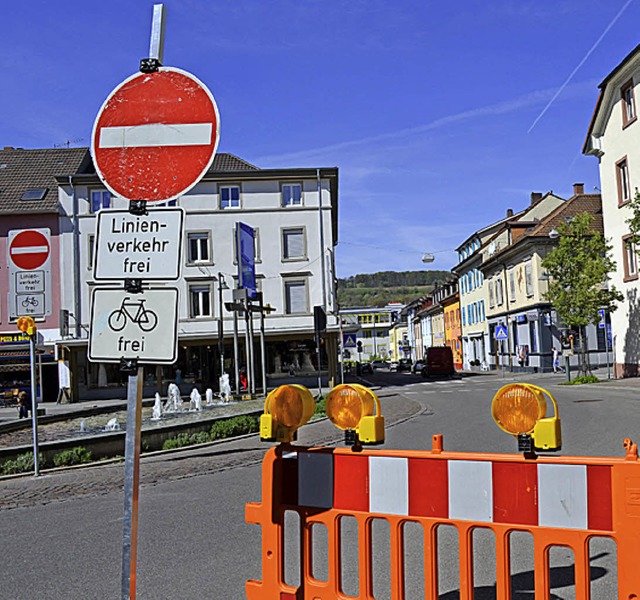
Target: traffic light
x=359, y=346
x=520, y=409
x=351, y=407
x=27, y=325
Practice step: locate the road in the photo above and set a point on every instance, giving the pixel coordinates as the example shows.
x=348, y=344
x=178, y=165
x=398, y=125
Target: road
x=61, y=533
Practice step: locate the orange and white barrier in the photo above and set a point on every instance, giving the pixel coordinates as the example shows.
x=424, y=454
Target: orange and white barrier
x=560, y=501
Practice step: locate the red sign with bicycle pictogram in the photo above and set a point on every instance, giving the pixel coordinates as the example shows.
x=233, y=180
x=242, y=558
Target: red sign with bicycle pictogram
x=29, y=249
x=156, y=135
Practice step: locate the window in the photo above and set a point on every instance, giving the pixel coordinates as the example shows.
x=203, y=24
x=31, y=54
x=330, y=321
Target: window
x=499, y=292
x=200, y=300
x=628, y=104
x=293, y=244
x=229, y=196
x=295, y=297
x=512, y=284
x=292, y=194
x=528, y=278
x=491, y=295
x=100, y=199
x=198, y=251
x=622, y=177
x=464, y=316
x=630, y=257
x=91, y=249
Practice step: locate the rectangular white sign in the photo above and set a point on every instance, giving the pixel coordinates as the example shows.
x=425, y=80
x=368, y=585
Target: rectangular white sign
x=147, y=247
x=134, y=326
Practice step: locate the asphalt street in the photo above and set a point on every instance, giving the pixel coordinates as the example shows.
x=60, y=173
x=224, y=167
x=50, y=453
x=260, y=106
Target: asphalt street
x=62, y=531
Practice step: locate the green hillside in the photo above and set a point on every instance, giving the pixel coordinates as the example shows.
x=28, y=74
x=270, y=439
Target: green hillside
x=378, y=289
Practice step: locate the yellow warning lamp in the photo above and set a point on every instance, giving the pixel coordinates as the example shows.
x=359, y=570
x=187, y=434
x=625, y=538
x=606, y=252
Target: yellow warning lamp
x=27, y=325
x=286, y=408
x=520, y=409
x=351, y=407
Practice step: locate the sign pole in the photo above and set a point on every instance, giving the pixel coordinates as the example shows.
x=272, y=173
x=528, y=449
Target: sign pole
x=34, y=404
x=131, y=484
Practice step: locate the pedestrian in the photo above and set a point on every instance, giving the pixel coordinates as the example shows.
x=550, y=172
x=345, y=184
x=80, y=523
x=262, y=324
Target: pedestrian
x=23, y=405
x=556, y=361
x=243, y=379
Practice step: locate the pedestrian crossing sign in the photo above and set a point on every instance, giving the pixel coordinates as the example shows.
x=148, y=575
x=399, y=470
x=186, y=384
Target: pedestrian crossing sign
x=501, y=332
x=349, y=340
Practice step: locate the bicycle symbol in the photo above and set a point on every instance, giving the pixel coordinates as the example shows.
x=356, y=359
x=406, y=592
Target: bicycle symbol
x=30, y=300
x=143, y=317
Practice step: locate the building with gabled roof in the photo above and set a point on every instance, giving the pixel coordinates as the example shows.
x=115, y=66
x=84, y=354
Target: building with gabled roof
x=613, y=138
x=29, y=201
x=517, y=284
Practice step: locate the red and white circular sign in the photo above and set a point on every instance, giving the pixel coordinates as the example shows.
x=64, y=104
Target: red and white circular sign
x=156, y=135
x=29, y=250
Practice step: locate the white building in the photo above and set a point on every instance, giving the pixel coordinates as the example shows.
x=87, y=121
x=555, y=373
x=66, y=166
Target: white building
x=294, y=213
x=614, y=138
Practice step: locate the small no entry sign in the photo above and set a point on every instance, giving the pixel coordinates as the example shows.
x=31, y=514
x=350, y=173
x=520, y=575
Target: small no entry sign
x=156, y=135
x=29, y=249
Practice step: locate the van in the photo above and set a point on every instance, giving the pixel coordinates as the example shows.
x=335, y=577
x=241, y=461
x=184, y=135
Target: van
x=438, y=362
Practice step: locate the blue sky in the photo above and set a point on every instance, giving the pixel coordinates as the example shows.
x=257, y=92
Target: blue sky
x=439, y=115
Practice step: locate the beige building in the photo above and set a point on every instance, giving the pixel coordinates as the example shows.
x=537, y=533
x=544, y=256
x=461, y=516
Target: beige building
x=614, y=138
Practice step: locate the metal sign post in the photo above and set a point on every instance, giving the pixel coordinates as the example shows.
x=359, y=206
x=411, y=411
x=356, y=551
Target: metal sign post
x=131, y=483
x=34, y=404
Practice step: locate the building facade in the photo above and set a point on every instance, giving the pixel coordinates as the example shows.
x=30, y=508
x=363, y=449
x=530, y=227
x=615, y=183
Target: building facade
x=614, y=139
x=294, y=215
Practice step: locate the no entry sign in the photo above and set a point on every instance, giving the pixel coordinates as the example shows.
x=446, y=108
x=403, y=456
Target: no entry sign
x=29, y=249
x=29, y=259
x=156, y=135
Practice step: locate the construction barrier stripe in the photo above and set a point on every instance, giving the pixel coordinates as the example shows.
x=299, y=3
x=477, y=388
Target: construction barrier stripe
x=530, y=494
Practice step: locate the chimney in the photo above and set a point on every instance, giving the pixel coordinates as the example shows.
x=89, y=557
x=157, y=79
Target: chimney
x=509, y=213
x=578, y=188
x=535, y=196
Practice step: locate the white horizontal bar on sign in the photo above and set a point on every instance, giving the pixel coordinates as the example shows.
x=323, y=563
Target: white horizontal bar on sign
x=29, y=249
x=156, y=134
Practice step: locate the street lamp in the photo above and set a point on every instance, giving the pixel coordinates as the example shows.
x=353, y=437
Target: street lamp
x=222, y=285
x=553, y=234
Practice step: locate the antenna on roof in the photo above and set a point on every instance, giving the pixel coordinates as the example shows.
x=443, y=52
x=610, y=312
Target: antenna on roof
x=68, y=143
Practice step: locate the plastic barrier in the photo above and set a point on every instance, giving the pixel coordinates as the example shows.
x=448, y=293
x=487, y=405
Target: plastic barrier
x=560, y=501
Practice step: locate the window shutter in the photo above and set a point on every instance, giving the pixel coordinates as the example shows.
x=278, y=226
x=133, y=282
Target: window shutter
x=296, y=297
x=294, y=243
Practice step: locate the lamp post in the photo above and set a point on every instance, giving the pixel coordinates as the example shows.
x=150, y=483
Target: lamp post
x=222, y=285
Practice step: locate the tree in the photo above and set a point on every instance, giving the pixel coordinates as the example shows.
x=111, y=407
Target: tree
x=579, y=267
x=634, y=222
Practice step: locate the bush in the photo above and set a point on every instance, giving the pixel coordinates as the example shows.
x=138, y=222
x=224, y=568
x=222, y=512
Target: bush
x=320, y=410
x=75, y=456
x=21, y=464
x=583, y=379
x=239, y=425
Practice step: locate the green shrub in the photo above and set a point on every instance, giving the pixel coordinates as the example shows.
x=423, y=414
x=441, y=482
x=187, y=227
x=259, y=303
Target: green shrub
x=239, y=425
x=321, y=407
x=186, y=439
x=583, y=379
x=21, y=464
x=74, y=456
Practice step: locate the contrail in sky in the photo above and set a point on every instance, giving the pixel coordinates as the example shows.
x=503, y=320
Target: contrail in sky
x=586, y=56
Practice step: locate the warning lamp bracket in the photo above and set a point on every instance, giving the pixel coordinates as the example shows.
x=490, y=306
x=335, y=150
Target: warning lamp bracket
x=525, y=445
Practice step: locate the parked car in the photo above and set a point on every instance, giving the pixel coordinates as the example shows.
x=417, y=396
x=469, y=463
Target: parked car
x=417, y=367
x=438, y=362
x=379, y=364
x=366, y=368
x=404, y=364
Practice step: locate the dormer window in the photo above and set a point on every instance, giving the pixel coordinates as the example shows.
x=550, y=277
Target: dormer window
x=34, y=194
x=628, y=104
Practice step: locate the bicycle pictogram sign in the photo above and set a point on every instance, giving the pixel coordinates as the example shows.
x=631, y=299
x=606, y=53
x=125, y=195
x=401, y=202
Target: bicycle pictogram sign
x=134, y=311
